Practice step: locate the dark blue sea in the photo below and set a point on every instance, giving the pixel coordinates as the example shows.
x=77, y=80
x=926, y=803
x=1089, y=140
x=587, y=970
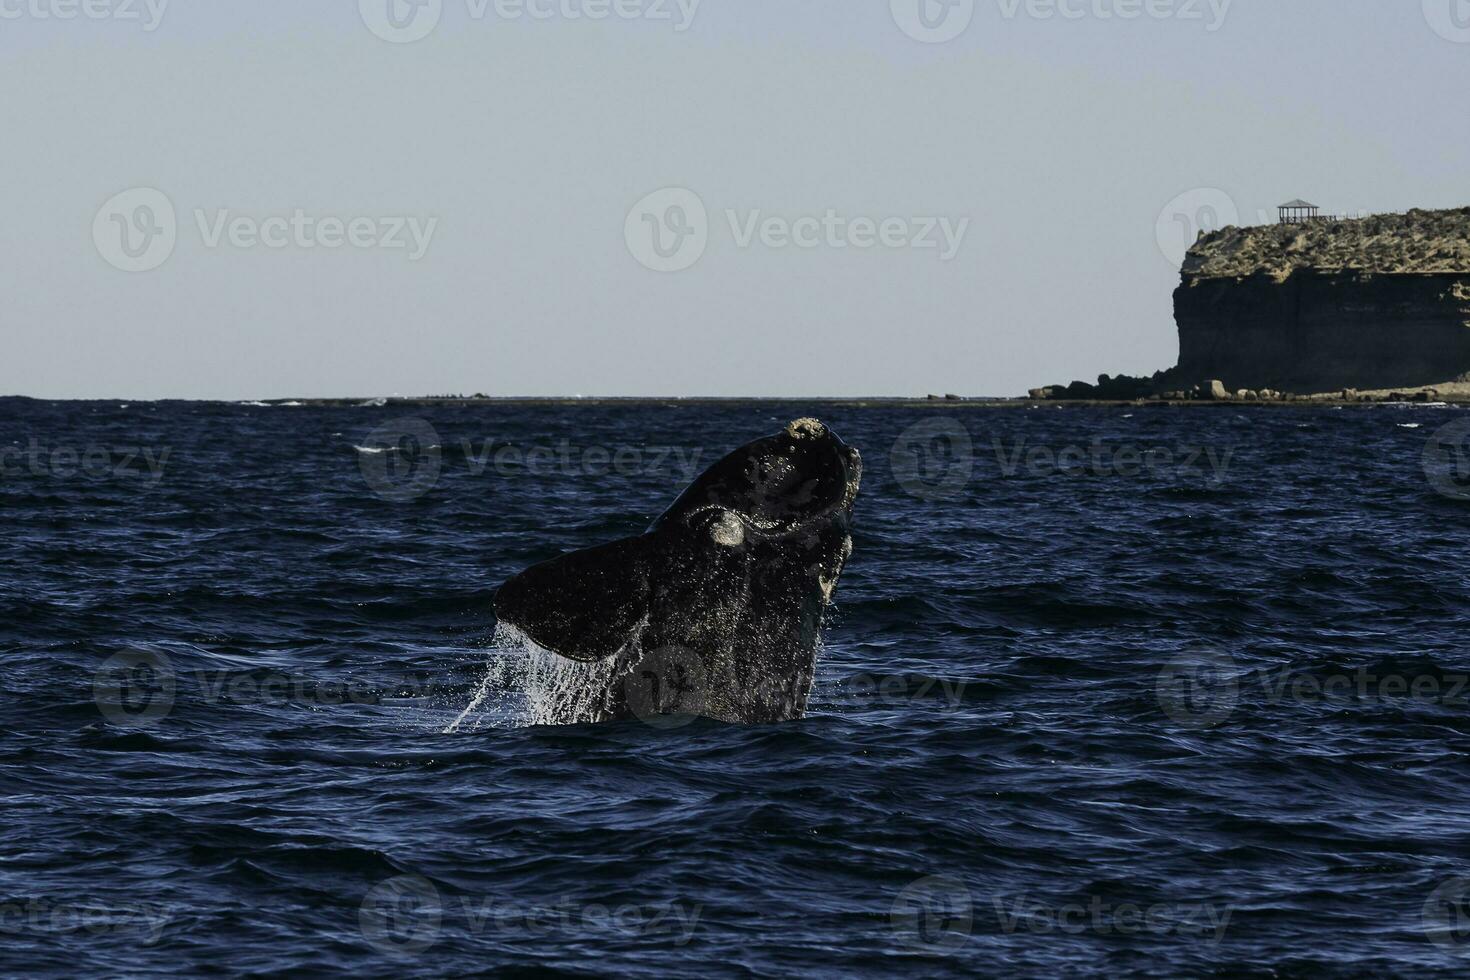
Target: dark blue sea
x=1105, y=692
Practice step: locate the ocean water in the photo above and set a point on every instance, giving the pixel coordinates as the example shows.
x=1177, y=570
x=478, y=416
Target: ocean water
x=1113, y=692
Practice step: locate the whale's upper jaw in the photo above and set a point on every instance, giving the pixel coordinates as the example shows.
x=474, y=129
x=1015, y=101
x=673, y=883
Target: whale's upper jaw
x=778, y=485
x=834, y=465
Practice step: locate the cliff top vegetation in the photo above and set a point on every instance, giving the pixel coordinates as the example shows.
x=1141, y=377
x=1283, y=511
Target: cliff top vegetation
x=1415, y=243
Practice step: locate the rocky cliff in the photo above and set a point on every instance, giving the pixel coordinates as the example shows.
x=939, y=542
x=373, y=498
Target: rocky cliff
x=1372, y=303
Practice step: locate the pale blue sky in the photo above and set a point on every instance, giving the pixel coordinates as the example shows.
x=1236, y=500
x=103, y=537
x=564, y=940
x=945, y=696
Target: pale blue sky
x=1061, y=142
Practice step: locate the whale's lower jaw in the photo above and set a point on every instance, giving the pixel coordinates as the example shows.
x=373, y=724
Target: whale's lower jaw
x=736, y=655
x=731, y=634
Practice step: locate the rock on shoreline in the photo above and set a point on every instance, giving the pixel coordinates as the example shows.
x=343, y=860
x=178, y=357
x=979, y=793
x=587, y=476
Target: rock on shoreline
x=1370, y=305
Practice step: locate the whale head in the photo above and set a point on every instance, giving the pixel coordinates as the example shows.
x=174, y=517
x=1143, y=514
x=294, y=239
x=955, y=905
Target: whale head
x=735, y=574
x=777, y=485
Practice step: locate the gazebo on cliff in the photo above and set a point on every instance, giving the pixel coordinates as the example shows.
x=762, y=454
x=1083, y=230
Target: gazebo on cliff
x=1297, y=212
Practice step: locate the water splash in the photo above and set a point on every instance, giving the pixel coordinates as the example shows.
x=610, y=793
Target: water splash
x=527, y=685
x=500, y=700
x=565, y=692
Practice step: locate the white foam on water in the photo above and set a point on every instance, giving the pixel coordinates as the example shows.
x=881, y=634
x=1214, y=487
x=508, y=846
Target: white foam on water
x=379, y=450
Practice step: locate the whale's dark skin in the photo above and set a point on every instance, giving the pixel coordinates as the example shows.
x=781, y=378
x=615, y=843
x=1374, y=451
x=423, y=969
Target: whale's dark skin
x=717, y=609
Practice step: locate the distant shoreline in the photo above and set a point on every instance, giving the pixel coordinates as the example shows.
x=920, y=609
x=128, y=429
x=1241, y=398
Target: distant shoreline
x=1306, y=401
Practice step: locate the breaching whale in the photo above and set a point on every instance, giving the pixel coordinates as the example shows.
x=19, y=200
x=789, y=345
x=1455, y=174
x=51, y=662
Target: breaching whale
x=716, y=610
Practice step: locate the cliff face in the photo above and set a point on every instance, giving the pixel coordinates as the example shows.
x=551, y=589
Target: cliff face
x=1318, y=331
x=1380, y=302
